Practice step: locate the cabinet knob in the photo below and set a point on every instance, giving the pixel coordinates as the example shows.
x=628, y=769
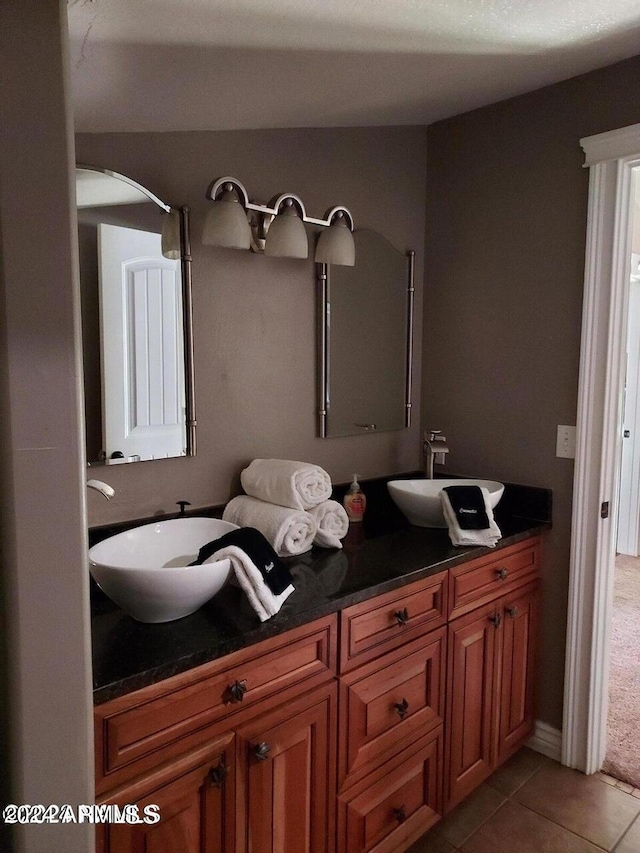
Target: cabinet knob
x=502, y=574
x=218, y=775
x=512, y=612
x=261, y=751
x=237, y=691
x=402, y=616
x=401, y=708
x=495, y=620
x=400, y=814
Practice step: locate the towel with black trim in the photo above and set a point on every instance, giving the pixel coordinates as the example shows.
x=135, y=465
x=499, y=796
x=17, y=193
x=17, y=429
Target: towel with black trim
x=264, y=578
x=469, y=516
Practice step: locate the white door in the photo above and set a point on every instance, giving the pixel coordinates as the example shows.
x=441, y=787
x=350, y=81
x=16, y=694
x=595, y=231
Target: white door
x=141, y=344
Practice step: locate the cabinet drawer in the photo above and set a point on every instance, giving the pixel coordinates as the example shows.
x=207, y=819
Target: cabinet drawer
x=157, y=722
x=390, y=701
x=393, y=807
x=483, y=580
x=383, y=623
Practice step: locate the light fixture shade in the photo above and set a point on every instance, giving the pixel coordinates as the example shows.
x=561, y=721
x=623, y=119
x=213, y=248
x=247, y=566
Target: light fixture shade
x=336, y=246
x=170, y=238
x=226, y=224
x=287, y=236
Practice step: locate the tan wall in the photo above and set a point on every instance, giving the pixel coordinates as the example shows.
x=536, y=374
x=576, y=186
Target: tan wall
x=255, y=317
x=45, y=619
x=505, y=240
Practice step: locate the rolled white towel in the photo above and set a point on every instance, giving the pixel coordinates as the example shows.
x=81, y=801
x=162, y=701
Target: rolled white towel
x=289, y=531
x=299, y=485
x=333, y=524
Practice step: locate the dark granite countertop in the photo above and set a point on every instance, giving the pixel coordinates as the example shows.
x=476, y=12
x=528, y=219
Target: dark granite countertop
x=380, y=554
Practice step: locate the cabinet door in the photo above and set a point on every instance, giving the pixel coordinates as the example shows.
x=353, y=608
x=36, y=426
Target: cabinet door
x=195, y=799
x=517, y=664
x=473, y=645
x=286, y=765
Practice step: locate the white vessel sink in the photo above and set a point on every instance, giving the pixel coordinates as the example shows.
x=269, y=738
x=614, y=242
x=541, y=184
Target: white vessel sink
x=419, y=500
x=146, y=570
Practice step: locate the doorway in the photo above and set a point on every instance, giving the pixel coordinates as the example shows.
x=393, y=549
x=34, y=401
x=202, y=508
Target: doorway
x=613, y=159
x=622, y=757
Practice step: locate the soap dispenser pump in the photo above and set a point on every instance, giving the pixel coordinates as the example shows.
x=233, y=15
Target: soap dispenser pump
x=355, y=501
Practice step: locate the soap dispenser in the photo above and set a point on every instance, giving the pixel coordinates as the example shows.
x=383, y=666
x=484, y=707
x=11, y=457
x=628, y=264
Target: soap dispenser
x=355, y=501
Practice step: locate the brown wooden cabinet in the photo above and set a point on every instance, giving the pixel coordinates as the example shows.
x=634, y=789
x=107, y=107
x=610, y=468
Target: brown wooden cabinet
x=327, y=741
x=263, y=775
x=517, y=669
x=392, y=705
x=286, y=777
x=389, y=702
x=470, y=689
x=268, y=787
x=137, y=732
x=195, y=799
x=489, y=689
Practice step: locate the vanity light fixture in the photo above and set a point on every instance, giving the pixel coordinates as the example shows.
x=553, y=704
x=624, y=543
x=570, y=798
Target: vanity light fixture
x=226, y=223
x=277, y=229
x=335, y=245
x=287, y=236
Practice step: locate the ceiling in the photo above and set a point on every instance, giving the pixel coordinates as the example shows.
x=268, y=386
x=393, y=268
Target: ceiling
x=228, y=64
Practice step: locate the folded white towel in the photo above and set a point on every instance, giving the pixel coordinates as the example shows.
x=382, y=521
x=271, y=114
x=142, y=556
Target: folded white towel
x=264, y=602
x=333, y=524
x=487, y=536
x=289, y=531
x=299, y=485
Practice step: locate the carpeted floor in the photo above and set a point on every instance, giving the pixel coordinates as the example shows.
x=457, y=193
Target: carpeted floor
x=623, y=740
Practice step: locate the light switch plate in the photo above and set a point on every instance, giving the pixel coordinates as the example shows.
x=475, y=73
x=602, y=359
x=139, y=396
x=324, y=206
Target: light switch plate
x=566, y=442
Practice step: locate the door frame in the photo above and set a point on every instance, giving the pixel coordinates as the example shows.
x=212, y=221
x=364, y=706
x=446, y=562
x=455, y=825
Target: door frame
x=611, y=158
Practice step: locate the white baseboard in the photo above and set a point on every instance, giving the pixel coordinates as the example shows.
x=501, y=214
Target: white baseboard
x=547, y=740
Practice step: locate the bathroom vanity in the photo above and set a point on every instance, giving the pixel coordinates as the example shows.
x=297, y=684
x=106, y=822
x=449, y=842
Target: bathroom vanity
x=394, y=681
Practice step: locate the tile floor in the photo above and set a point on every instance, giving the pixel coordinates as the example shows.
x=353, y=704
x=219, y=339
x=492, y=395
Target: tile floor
x=534, y=805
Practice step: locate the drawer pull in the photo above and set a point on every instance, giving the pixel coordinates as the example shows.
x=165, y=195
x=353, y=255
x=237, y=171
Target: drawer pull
x=218, y=775
x=401, y=708
x=502, y=574
x=512, y=612
x=400, y=814
x=402, y=616
x=261, y=750
x=237, y=691
x=495, y=620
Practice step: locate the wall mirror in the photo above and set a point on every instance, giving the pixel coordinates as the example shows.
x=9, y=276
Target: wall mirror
x=365, y=340
x=135, y=279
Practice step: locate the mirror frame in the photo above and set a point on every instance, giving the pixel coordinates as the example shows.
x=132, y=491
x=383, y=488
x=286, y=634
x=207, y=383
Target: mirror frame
x=323, y=277
x=187, y=308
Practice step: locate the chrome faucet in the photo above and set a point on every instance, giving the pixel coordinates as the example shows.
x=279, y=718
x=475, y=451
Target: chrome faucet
x=104, y=488
x=434, y=448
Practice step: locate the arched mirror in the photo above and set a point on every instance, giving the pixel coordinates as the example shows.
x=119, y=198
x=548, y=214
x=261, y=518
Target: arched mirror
x=365, y=340
x=135, y=277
